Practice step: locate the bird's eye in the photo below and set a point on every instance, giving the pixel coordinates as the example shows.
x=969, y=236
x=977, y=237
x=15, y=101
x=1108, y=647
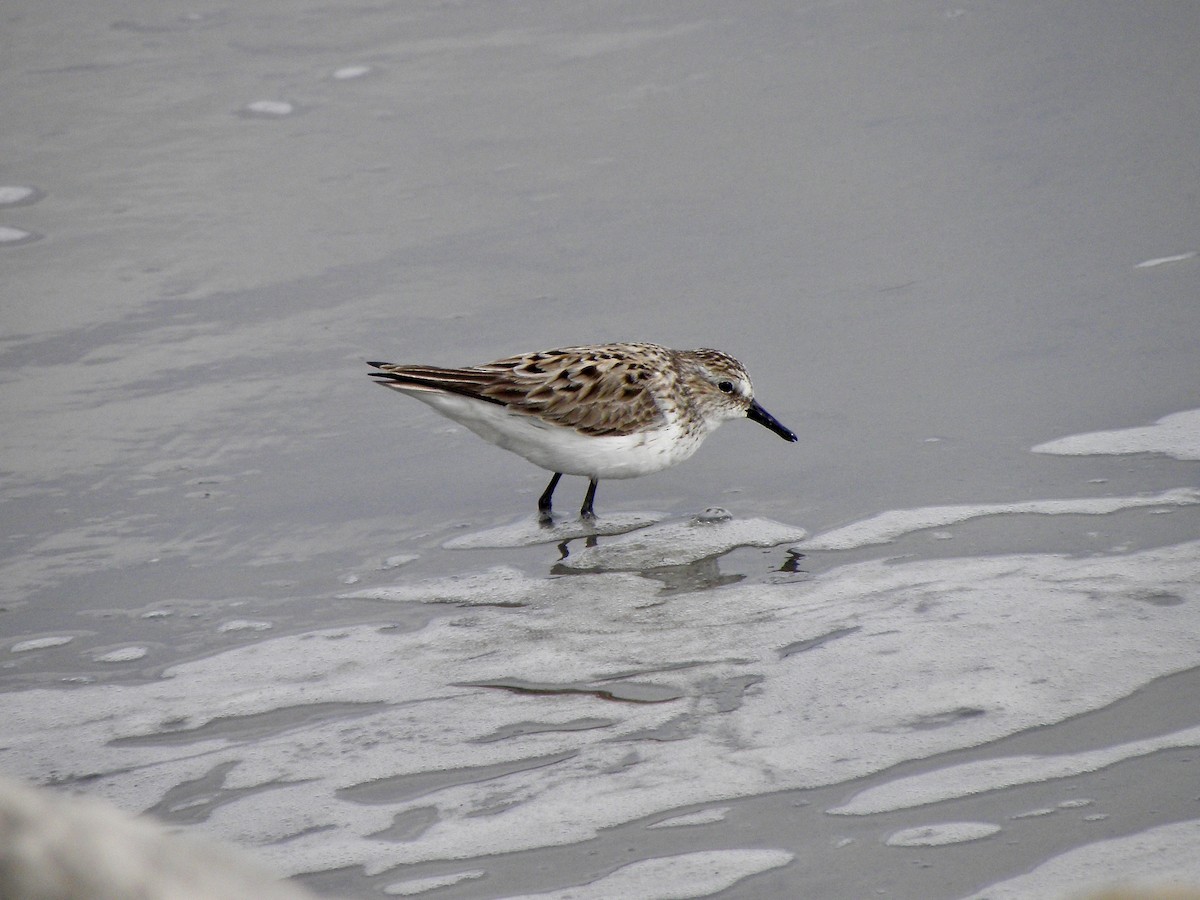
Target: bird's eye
x=726, y=387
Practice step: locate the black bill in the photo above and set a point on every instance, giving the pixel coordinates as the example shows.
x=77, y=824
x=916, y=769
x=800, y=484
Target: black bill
x=757, y=414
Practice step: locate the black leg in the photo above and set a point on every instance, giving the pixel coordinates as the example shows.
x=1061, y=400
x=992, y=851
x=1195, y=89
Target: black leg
x=547, y=495
x=586, y=511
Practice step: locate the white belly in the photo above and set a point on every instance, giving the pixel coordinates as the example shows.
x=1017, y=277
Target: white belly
x=564, y=450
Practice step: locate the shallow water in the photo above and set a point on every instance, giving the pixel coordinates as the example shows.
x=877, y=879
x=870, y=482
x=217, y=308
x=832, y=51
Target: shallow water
x=249, y=593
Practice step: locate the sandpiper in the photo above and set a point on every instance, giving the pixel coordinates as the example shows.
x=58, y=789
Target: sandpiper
x=606, y=411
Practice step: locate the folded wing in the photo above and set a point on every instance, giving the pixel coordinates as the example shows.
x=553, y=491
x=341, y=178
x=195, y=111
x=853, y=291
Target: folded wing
x=594, y=390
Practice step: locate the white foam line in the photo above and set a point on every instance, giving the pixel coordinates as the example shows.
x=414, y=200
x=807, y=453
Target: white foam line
x=993, y=774
x=42, y=643
x=942, y=834
x=888, y=526
x=415, y=886
x=1176, y=435
x=1165, y=857
x=918, y=646
x=1163, y=260
x=670, y=877
x=700, y=817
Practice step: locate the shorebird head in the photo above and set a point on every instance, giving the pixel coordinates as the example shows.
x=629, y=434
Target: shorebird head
x=725, y=391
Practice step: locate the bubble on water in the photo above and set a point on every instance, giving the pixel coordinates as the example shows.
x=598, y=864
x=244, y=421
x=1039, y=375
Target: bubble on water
x=700, y=817
x=121, y=654
x=42, y=643
x=1164, y=260
x=19, y=195
x=11, y=236
x=940, y=835
x=268, y=109
x=345, y=73
x=244, y=625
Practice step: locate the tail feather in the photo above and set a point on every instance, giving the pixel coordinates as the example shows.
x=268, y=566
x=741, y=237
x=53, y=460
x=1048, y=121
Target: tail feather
x=468, y=382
